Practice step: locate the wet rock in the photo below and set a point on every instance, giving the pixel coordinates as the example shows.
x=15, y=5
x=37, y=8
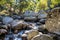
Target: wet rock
x=3, y=26
x=38, y=23
x=7, y=20
x=42, y=37
x=30, y=13
x=3, y=31
x=42, y=14
x=17, y=25
x=42, y=26
x=31, y=34
x=30, y=16
x=42, y=21
x=16, y=17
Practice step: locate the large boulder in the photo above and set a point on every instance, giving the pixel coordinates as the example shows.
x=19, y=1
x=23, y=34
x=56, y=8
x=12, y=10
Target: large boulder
x=30, y=16
x=7, y=20
x=42, y=37
x=53, y=23
x=31, y=34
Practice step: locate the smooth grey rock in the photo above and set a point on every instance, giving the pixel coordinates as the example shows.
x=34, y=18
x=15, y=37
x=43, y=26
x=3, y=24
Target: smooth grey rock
x=30, y=16
x=16, y=24
x=42, y=14
x=30, y=13
x=7, y=20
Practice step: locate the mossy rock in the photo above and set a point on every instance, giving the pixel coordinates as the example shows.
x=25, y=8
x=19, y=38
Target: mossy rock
x=53, y=23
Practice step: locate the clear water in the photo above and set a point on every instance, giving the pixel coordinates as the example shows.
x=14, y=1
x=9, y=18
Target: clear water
x=14, y=36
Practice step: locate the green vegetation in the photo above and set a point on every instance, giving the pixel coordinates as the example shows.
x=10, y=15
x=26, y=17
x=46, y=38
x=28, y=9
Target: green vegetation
x=23, y=5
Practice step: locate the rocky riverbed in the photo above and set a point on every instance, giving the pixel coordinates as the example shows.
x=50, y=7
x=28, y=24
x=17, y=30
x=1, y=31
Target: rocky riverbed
x=29, y=27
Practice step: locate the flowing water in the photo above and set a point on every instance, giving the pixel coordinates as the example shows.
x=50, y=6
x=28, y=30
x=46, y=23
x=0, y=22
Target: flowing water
x=12, y=36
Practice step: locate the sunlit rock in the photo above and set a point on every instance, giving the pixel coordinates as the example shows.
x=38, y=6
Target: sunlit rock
x=15, y=31
x=42, y=37
x=24, y=37
x=53, y=23
x=31, y=34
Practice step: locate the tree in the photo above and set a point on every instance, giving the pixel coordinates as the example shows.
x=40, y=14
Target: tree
x=23, y=4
